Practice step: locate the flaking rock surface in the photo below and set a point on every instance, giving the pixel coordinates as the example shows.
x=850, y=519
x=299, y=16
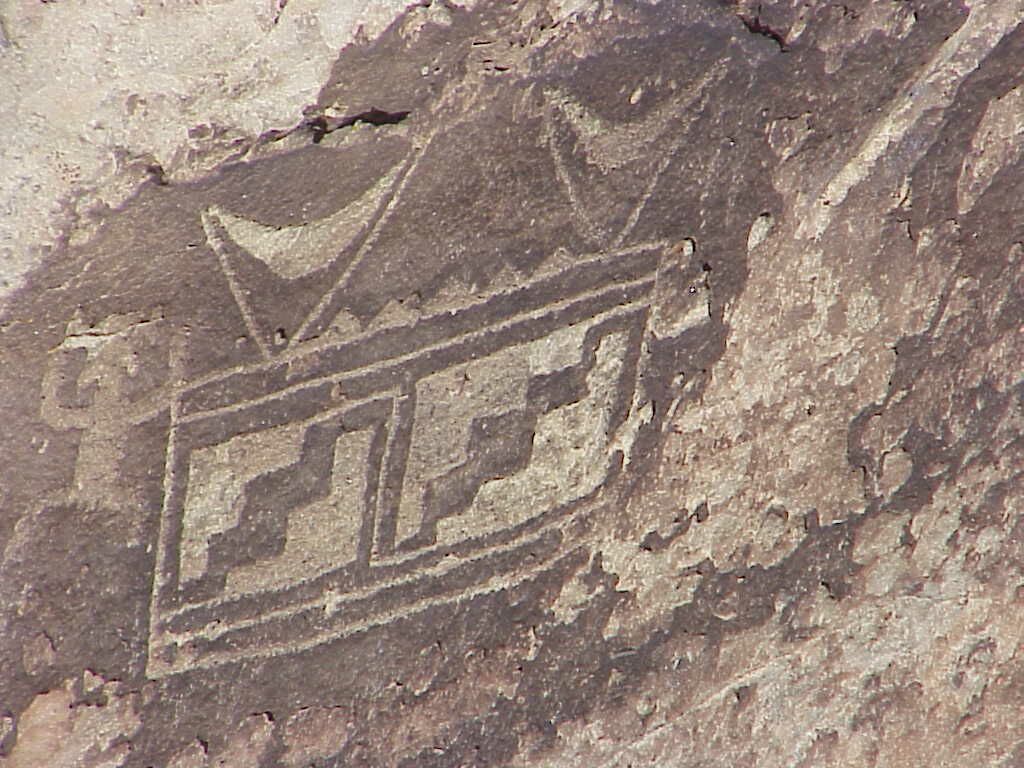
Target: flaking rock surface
x=599, y=385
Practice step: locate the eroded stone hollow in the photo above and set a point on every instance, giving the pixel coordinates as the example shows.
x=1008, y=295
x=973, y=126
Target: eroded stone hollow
x=570, y=384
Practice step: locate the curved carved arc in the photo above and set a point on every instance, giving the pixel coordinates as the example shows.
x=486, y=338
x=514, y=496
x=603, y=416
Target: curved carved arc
x=295, y=251
x=609, y=146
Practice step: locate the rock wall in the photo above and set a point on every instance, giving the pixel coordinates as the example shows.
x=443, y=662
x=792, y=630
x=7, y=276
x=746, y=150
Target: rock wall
x=535, y=384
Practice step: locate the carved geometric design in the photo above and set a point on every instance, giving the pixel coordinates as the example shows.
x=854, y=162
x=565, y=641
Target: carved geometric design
x=360, y=501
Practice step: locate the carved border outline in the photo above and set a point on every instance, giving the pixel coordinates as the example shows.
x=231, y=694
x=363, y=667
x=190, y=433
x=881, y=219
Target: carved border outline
x=418, y=580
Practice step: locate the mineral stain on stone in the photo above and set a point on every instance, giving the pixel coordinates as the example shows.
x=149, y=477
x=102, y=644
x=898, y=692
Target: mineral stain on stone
x=564, y=389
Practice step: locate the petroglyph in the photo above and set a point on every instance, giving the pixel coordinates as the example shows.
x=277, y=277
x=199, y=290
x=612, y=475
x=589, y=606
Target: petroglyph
x=532, y=426
x=609, y=146
x=496, y=404
x=99, y=382
x=322, y=534
x=295, y=251
x=569, y=457
x=354, y=469
x=381, y=407
x=619, y=151
x=218, y=476
x=423, y=446
x=408, y=457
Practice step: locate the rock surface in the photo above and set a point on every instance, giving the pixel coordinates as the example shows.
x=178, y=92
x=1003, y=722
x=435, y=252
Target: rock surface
x=572, y=384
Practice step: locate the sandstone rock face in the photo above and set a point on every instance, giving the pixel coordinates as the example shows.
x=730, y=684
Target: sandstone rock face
x=563, y=384
x=99, y=96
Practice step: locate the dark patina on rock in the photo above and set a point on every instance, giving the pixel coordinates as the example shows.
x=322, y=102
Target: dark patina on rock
x=540, y=376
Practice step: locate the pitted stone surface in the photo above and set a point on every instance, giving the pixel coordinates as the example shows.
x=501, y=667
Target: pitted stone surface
x=597, y=385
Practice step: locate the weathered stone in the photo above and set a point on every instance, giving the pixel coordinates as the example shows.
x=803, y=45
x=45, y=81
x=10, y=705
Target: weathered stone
x=571, y=385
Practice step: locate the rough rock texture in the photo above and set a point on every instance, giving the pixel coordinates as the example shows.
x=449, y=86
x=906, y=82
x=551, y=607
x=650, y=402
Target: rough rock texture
x=600, y=385
x=101, y=95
